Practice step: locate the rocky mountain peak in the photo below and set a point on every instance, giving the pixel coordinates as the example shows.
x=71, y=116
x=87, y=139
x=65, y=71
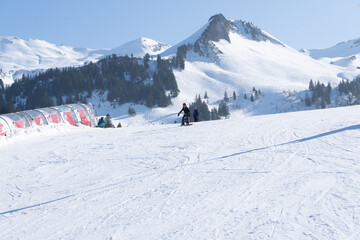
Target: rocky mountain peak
x=218, y=28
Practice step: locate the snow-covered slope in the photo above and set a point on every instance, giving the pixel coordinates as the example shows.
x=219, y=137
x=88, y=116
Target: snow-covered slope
x=344, y=54
x=282, y=176
x=18, y=56
x=236, y=55
x=343, y=49
x=139, y=47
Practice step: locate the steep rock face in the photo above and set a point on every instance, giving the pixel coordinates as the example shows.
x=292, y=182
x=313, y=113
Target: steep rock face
x=252, y=32
x=219, y=28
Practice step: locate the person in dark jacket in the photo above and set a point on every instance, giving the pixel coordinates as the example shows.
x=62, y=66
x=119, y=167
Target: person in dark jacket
x=101, y=122
x=186, y=116
x=196, y=115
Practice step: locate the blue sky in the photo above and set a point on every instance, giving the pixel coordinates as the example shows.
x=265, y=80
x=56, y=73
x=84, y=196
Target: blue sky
x=110, y=23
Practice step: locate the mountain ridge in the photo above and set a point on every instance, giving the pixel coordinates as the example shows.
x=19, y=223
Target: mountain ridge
x=19, y=56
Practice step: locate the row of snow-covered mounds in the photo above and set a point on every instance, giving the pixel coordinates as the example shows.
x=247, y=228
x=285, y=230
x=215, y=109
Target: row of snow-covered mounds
x=281, y=176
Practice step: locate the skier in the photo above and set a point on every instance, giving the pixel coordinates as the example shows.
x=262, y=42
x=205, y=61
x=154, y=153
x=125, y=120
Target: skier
x=101, y=122
x=186, y=114
x=108, y=123
x=196, y=114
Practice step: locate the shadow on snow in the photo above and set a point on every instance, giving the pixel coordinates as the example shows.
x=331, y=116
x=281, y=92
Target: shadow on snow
x=353, y=127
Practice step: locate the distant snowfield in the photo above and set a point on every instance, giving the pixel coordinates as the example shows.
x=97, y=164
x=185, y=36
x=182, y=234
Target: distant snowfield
x=282, y=176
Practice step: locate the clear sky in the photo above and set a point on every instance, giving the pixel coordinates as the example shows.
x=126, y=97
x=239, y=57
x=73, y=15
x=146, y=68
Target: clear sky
x=110, y=23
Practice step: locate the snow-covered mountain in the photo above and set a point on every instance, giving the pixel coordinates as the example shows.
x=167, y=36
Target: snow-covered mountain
x=343, y=49
x=139, y=47
x=236, y=55
x=344, y=54
x=18, y=56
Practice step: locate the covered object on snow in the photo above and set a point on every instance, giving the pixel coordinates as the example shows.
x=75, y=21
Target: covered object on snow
x=68, y=114
x=82, y=113
x=16, y=120
x=90, y=110
x=36, y=118
x=4, y=127
x=73, y=114
x=52, y=115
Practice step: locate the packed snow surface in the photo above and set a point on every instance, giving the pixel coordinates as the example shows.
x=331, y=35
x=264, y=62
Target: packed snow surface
x=282, y=176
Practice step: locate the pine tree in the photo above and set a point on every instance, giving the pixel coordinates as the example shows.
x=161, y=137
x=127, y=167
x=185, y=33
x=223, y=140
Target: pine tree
x=307, y=100
x=223, y=109
x=234, y=95
x=18, y=108
x=2, y=106
x=327, y=95
x=180, y=57
x=322, y=103
x=1, y=86
x=204, y=113
x=314, y=97
x=226, y=98
x=131, y=111
x=146, y=60
x=214, y=114
x=206, y=95
x=245, y=97
x=252, y=98
x=9, y=107
x=311, y=85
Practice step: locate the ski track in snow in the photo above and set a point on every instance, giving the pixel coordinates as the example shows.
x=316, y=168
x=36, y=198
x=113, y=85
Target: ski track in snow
x=281, y=176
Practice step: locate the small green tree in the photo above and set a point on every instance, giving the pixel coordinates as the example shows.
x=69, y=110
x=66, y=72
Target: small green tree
x=307, y=100
x=206, y=95
x=323, y=105
x=226, y=98
x=234, y=95
x=223, y=109
x=146, y=60
x=9, y=107
x=252, y=98
x=131, y=111
x=214, y=114
x=311, y=85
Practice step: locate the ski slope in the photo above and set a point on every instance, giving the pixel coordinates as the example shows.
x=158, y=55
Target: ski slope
x=281, y=176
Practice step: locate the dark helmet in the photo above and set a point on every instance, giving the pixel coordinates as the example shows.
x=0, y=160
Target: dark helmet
x=107, y=115
x=184, y=104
